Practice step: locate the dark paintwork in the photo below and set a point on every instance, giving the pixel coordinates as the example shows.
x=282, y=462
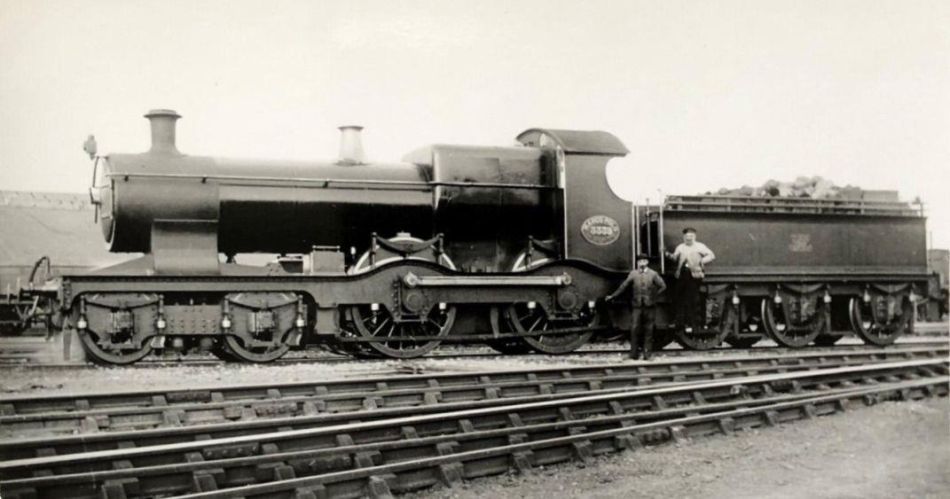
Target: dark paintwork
x=766, y=243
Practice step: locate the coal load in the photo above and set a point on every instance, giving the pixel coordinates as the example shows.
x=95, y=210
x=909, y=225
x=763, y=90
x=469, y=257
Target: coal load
x=807, y=187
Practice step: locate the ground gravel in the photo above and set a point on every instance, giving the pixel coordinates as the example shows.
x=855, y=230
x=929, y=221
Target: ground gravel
x=892, y=450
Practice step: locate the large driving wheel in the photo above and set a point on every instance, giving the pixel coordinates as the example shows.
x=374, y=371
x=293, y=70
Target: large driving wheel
x=378, y=323
x=527, y=319
x=397, y=336
x=509, y=346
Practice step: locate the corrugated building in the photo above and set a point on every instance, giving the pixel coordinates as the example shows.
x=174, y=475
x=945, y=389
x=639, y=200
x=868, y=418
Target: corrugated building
x=57, y=225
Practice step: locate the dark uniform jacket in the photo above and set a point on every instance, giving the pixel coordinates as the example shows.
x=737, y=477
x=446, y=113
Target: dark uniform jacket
x=647, y=284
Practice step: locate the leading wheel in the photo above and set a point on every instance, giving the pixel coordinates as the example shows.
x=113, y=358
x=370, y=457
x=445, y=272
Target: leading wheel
x=526, y=319
x=222, y=353
x=112, y=349
x=234, y=346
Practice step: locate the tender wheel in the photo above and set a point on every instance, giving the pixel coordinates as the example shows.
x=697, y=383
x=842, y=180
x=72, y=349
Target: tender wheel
x=111, y=350
x=880, y=320
x=380, y=324
x=525, y=319
x=782, y=326
x=699, y=339
x=717, y=323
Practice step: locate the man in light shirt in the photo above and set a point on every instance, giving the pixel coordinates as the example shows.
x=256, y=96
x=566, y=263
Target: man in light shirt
x=647, y=284
x=691, y=257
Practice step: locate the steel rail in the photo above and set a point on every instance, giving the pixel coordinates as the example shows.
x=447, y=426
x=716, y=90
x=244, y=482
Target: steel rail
x=24, y=416
x=182, y=478
x=25, y=404
x=277, y=456
x=83, y=452
x=25, y=360
x=448, y=468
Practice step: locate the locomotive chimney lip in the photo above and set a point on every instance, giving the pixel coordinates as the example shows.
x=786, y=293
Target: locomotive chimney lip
x=162, y=122
x=351, y=145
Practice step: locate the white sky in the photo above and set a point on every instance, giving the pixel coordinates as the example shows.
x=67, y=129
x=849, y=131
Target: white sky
x=705, y=94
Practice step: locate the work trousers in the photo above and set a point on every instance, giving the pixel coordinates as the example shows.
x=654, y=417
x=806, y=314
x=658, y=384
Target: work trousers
x=687, y=299
x=641, y=330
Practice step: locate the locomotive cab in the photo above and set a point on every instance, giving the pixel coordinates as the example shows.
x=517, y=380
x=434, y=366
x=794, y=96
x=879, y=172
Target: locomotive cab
x=596, y=224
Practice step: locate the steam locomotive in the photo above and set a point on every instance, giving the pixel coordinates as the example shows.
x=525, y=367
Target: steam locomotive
x=513, y=247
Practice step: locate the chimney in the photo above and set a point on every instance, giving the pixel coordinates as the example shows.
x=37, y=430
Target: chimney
x=163, y=130
x=351, y=146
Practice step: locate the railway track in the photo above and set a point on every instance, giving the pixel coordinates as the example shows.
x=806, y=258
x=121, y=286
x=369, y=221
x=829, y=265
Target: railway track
x=374, y=453
x=571, y=442
x=23, y=353
x=137, y=410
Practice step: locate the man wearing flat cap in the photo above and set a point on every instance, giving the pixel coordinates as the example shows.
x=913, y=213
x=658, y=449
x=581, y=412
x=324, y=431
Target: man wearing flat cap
x=691, y=257
x=646, y=284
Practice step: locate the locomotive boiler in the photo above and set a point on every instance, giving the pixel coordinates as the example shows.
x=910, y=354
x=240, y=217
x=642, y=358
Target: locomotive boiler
x=514, y=247
x=185, y=210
